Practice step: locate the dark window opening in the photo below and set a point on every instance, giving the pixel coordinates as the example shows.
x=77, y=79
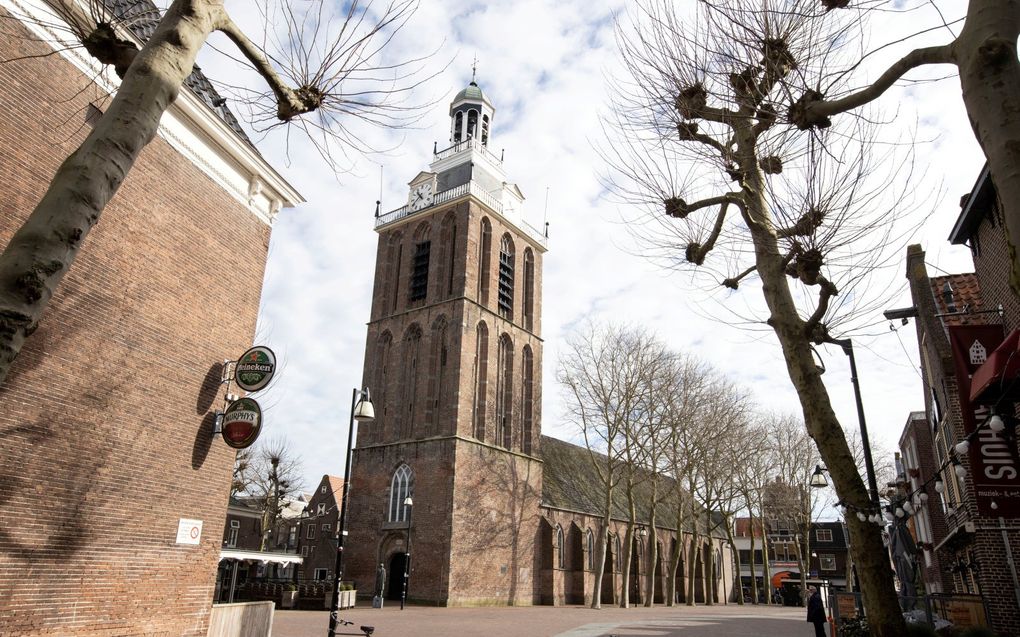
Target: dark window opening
x=472, y=124
x=458, y=125
x=485, y=130
x=506, y=278
x=420, y=271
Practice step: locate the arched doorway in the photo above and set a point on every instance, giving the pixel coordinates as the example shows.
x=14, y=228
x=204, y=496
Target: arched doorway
x=395, y=575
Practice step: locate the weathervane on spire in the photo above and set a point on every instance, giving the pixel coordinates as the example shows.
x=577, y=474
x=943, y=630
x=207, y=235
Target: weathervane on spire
x=474, y=68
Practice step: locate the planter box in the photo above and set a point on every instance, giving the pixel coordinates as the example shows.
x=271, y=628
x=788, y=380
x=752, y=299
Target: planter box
x=345, y=600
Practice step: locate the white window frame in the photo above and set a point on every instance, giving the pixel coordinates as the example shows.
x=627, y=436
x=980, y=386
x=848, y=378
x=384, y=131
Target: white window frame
x=235, y=527
x=820, y=532
x=320, y=509
x=401, y=487
x=304, y=551
x=323, y=490
x=319, y=575
x=824, y=558
x=310, y=532
x=561, y=561
x=325, y=528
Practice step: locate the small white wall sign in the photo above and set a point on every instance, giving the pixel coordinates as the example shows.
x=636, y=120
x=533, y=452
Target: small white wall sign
x=189, y=531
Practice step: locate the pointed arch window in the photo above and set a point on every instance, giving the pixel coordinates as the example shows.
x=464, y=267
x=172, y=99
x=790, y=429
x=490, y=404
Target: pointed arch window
x=504, y=392
x=481, y=378
x=382, y=360
x=590, y=546
x=529, y=289
x=506, y=277
x=561, y=553
x=448, y=260
x=484, y=250
x=419, y=282
x=617, y=556
x=438, y=375
x=401, y=486
x=394, y=253
x=409, y=382
x=527, y=399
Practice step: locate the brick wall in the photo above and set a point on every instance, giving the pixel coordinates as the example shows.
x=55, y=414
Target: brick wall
x=105, y=419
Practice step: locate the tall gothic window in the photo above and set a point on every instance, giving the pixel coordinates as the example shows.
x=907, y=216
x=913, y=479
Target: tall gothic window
x=438, y=372
x=409, y=382
x=401, y=487
x=590, y=542
x=527, y=399
x=561, y=553
x=506, y=277
x=420, y=271
x=447, y=260
x=529, y=289
x=481, y=378
x=394, y=252
x=504, y=391
x=484, y=252
x=382, y=361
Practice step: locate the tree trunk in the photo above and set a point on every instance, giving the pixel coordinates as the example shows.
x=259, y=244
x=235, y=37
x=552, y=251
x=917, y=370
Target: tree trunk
x=986, y=55
x=879, y=595
x=739, y=585
x=674, y=558
x=43, y=249
x=754, y=577
x=708, y=569
x=692, y=565
x=601, y=546
x=653, y=550
x=628, y=545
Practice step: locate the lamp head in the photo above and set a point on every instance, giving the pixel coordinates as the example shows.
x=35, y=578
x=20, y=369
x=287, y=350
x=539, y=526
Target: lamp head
x=408, y=501
x=818, y=480
x=364, y=411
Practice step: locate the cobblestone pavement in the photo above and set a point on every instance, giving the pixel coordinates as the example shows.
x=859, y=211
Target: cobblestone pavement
x=545, y=621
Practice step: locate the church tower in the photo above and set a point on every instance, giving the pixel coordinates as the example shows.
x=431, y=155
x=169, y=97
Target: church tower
x=453, y=361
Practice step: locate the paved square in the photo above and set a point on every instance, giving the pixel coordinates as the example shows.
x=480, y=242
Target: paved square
x=546, y=621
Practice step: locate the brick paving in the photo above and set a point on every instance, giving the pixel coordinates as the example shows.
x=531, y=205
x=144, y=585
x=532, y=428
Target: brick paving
x=568, y=621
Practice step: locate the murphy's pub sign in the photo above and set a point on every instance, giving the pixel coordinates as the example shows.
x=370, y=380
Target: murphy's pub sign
x=255, y=368
x=242, y=422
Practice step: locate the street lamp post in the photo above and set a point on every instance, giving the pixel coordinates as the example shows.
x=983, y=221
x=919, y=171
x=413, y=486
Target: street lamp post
x=361, y=411
x=409, y=503
x=848, y=348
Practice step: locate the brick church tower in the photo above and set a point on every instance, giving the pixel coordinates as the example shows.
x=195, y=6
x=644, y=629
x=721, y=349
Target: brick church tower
x=453, y=360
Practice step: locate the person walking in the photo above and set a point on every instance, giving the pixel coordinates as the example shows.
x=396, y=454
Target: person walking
x=816, y=611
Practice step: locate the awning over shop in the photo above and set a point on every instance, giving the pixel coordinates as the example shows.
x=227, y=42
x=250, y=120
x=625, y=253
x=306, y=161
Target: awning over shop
x=994, y=379
x=260, y=556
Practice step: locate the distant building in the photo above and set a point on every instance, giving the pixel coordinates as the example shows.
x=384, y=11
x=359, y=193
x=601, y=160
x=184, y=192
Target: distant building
x=317, y=529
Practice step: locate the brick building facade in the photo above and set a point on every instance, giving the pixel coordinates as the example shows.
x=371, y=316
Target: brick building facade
x=454, y=364
x=106, y=417
x=978, y=541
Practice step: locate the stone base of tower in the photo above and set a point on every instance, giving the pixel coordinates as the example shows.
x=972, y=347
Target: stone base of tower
x=473, y=530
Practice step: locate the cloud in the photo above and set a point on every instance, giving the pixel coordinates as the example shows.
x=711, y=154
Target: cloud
x=543, y=64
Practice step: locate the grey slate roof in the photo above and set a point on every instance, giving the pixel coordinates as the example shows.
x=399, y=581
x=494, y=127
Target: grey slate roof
x=141, y=17
x=570, y=482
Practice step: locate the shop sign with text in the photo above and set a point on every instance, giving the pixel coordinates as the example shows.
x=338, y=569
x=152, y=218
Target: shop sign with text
x=255, y=368
x=242, y=422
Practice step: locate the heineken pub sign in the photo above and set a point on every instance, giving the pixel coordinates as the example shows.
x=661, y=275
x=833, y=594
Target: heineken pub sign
x=242, y=422
x=255, y=368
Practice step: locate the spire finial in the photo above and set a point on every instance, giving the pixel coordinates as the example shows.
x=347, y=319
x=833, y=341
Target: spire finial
x=474, y=68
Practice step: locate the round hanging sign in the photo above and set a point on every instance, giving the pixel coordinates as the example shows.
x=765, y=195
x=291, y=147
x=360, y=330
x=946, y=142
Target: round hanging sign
x=242, y=422
x=255, y=368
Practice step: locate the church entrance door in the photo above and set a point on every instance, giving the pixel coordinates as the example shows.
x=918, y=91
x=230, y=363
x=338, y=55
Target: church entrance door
x=395, y=574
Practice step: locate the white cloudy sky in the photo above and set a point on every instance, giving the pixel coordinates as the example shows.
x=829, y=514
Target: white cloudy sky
x=544, y=65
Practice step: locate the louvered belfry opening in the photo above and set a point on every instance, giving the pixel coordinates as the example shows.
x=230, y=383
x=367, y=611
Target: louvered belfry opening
x=420, y=271
x=506, y=277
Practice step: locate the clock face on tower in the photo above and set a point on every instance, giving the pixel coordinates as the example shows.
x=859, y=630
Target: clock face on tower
x=421, y=196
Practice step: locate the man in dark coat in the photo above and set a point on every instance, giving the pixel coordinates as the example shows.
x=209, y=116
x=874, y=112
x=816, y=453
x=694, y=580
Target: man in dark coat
x=816, y=611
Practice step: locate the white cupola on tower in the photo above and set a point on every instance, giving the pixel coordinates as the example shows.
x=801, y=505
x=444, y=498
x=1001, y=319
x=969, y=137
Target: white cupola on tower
x=471, y=115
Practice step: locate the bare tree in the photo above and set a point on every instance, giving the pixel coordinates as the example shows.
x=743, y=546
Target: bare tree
x=603, y=374
x=750, y=483
x=984, y=53
x=743, y=194
x=320, y=75
x=272, y=475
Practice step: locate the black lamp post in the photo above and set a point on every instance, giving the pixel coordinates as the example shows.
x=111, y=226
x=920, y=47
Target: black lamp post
x=848, y=349
x=361, y=411
x=409, y=503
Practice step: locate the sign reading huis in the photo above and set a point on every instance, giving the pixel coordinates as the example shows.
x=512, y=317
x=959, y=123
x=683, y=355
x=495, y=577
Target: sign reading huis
x=255, y=368
x=993, y=468
x=242, y=422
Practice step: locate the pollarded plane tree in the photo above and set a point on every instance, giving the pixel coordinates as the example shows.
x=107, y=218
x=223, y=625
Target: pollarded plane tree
x=700, y=140
x=323, y=72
